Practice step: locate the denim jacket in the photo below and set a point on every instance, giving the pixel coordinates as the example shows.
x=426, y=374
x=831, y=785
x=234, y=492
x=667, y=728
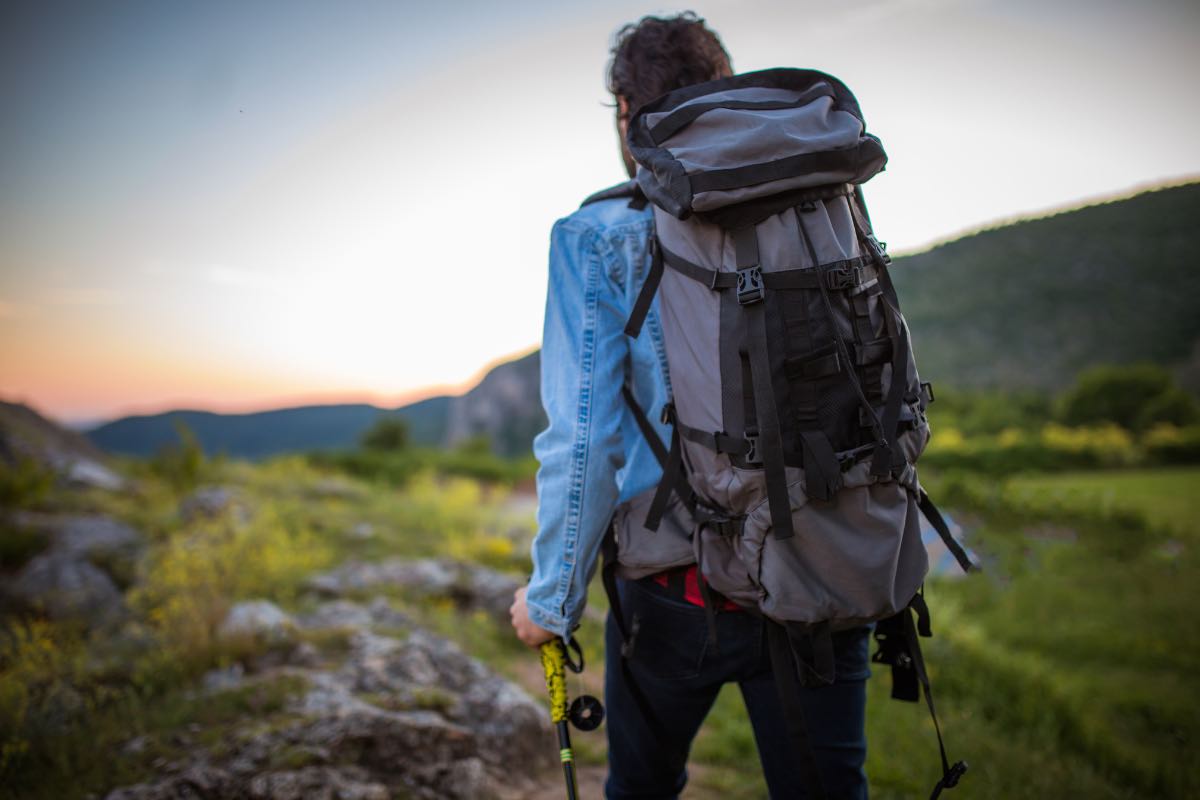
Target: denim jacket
x=592, y=455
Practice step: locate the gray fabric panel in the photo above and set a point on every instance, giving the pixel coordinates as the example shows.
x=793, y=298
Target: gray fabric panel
x=725, y=138
x=697, y=241
x=690, y=318
x=690, y=314
x=708, y=201
x=723, y=568
x=860, y=558
x=754, y=94
x=641, y=552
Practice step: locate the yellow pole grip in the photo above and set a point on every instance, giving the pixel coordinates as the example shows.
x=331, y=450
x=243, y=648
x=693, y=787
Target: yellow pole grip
x=554, y=664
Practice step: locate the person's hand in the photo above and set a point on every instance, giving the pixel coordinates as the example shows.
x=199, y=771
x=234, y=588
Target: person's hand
x=527, y=631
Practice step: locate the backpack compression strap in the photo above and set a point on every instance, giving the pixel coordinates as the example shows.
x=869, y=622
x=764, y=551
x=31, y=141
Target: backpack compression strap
x=887, y=455
x=900, y=648
x=750, y=293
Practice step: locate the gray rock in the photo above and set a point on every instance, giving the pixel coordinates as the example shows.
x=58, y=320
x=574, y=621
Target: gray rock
x=427, y=669
x=220, y=680
x=66, y=588
x=81, y=536
x=317, y=783
x=346, y=615
x=468, y=778
x=383, y=615
x=96, y=537
x=336, y=614
x=93, y=474
x=259, y=619
x=362, y=531
x=208, y=502
x=469, y=585
x=197, y=781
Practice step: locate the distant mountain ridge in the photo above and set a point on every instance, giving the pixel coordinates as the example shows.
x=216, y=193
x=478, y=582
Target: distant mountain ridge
x=1023, y=305
x=504, y=407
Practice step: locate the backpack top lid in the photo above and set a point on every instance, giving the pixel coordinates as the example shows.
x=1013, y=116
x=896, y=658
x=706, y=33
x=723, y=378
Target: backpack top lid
x=739, y=139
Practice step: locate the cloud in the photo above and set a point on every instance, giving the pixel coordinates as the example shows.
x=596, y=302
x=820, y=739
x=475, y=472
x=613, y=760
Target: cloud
x=10, y=310
x=241, y=278
x=84, y=296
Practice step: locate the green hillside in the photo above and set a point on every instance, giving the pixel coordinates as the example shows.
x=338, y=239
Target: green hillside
x=1028, y=305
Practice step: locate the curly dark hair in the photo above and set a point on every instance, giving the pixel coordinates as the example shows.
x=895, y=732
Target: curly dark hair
x=657, y=54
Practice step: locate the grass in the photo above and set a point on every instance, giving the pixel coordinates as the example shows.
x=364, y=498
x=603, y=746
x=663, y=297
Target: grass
x=1066, y=670
x=1166, y=496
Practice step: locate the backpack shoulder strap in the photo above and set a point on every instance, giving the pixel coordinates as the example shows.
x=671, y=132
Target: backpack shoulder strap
x=628, y=189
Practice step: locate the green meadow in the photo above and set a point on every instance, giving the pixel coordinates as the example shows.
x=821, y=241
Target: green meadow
x=1066, y=668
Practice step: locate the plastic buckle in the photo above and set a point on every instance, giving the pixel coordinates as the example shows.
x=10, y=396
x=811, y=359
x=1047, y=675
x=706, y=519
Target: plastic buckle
x=927, y=391
x=749, y=286
x=751, y=456
x=848, y=458
x=878, y=249
x=843, y=278
x=957, y=770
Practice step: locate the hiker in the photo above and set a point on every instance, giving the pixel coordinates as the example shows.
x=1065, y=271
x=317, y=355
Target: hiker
x=688, y=640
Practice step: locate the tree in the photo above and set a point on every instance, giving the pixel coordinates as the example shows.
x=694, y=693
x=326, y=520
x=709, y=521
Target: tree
x=389, y=433
x=1133, y=396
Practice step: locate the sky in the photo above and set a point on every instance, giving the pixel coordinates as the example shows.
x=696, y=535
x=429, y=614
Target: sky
x=247, y=205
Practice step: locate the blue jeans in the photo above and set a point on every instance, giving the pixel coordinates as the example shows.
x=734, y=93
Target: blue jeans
x=680, y=676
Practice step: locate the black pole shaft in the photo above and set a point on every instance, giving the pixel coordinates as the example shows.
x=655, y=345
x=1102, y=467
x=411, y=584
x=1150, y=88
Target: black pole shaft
x=568, y=760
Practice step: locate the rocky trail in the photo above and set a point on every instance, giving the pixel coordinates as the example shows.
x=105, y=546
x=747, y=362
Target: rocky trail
x=376, y=706
x=384, y=707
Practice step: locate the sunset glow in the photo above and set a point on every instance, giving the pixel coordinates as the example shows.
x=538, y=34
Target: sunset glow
x=243, y=206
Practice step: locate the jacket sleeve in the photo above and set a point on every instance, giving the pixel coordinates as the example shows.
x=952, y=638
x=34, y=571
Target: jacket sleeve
x=584, y=350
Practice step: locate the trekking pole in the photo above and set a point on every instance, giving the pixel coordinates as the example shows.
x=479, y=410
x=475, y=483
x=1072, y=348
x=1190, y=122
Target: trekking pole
x=585, y=713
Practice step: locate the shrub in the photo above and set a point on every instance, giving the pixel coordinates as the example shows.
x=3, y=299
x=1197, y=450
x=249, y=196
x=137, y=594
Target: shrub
x=19, y=545
x=388, y=434
x=190, y=580
x=1121, y=395
x=182, y=465
x=1173, y=407
x=1054, y=447
x=1167, y=444
x=25, y=484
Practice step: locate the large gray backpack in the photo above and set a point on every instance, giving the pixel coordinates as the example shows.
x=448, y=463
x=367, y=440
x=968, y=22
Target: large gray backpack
x=797, y=414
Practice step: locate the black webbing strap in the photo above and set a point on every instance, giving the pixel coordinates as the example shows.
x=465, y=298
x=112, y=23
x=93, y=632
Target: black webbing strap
x=943, y=530
x=951, y=774
x=716, y=441
x=887, y=453
x=770, y=440
x=848, y=274
x=822, y=470
x=812, y=646
x=643, y=423
x=641, y=306
x=608, y=574
x=826, y=466
x=787, y=683
x=706, y=591
x=711, y=278
x=672, y=475
x=893, y=651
